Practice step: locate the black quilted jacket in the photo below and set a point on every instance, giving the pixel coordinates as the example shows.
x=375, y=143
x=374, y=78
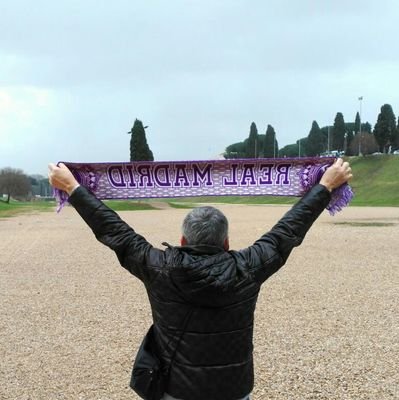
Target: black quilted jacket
x=214, y=358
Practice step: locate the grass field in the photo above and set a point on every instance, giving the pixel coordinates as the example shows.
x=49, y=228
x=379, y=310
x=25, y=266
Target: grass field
x=124, y=205
x=376, y=180
x=18, y=207
x=375, y=183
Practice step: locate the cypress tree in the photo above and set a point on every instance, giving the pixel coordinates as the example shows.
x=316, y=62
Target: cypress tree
x=357, y=123
x=139, y=149
x=252, y=148
x=316, y=140
x=338, y=134
x=385, y=128
x=270, y=145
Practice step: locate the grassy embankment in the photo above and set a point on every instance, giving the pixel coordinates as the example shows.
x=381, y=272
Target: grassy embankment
x=18, y=207
x=376, y=180
x=375, y=183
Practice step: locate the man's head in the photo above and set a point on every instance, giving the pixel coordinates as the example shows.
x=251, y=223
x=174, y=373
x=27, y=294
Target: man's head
x=205, y=225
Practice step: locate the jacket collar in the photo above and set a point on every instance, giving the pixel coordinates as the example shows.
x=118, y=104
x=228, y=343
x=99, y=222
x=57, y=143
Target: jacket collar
x=197, y=249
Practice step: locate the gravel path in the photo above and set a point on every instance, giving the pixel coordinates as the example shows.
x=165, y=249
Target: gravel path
x=326, y=324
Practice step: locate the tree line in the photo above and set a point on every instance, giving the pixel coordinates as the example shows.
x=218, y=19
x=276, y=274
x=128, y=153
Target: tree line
x=350, y=138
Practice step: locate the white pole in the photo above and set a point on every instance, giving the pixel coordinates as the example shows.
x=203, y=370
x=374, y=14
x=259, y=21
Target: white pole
x=360, y=125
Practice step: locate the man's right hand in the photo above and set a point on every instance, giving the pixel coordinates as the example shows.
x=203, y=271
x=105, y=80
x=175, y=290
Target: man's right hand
x=61, y=178
x=336, y=175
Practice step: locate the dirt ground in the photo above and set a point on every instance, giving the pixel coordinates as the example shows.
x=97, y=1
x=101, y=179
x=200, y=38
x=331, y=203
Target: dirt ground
x=326, y=325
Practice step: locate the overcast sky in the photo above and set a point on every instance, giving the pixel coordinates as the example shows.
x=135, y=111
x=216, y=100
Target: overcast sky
x=74, y=75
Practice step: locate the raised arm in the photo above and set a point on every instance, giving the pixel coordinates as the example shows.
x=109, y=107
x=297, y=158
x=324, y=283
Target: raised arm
x=269, y=253
x=131, y=248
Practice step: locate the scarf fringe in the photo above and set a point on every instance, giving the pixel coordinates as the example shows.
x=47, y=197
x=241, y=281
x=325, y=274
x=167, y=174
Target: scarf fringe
x=340, y=198
x=61, y=199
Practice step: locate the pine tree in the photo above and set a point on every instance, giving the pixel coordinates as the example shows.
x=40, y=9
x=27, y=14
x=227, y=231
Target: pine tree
x=338, y=134
x=252, y=150
x=139, y=149
x=366, y=127
x=270, y=144
x=235, y=150
x=357, y=123
x=385, y=128
x=316, y=140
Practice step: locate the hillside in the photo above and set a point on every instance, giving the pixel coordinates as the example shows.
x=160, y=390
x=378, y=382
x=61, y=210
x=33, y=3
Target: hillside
x=376, y=180
x=375, y=183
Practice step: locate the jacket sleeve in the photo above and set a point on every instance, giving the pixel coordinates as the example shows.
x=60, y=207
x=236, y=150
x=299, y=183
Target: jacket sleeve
x=269, y=253
x=131, y=248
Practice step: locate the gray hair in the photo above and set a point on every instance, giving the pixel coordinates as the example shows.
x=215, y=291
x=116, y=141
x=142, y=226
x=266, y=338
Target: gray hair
x=205, y=225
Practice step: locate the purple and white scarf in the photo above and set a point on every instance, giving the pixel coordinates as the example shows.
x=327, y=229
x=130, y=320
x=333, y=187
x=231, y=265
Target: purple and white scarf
x=240, y=177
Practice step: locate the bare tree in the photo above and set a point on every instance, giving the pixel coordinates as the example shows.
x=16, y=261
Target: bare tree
x=13, y=182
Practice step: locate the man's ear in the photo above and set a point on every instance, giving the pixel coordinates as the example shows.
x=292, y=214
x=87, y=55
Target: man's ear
x=226, y=244
x=183, y=241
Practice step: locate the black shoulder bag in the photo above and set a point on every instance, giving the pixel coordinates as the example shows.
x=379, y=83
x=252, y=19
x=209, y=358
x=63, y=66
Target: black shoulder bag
x=150, y=375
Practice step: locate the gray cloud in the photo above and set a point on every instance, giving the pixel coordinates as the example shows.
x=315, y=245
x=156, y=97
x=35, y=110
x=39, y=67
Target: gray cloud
x=197, y=72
